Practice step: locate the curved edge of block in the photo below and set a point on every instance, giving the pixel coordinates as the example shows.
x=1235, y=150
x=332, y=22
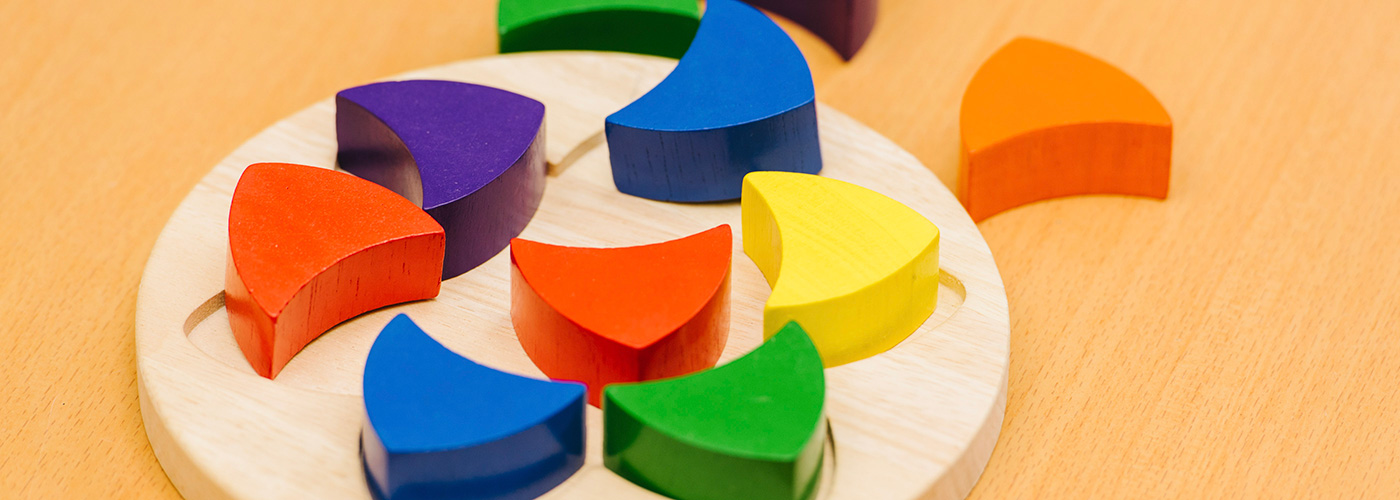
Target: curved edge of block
x=449, y=427
x=844, y=25
x=598, y=331
x=1041, y=120
x=626, y=27
x=341, y=286
x=740, y=100
x=754, y=428
x=480, y=222
x=889, y=308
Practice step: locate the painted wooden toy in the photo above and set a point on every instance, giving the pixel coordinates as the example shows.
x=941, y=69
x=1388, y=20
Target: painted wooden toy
x=472, y=156
x=309, y=248
x=1041, y=121
x=740, y=100
x=857, y=270
x=843, y=24
x=753, y=428
x=442, y=426
x=655, y=27
x=917, y=421
x=606, y=315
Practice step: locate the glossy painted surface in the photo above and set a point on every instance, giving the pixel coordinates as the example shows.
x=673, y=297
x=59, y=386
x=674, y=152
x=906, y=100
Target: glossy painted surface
x=311, y=247
x=606, y=315
x=740, y=100
x=858, y=270
x=442, y=426
x=842, y=24
x=471, y=155
x=753, y=428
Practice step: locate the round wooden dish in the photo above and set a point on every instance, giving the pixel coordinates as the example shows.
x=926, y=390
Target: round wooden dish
x=918, y=421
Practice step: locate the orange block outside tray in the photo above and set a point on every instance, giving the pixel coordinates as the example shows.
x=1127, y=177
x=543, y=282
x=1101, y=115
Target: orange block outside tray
x=1041, y=121
x=311, y=247
x=605, y=315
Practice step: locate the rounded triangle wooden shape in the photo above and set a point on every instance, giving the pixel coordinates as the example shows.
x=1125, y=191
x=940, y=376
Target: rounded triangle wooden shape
x=442, y=426
x=753, y=428
x=471, y=155
x=606, y=315
x=1040, y=121
x=654, y=27
x=740, y=100
x=857, y=270
x=311, y=247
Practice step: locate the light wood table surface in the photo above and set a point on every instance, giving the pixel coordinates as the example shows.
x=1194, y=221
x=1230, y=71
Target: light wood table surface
x=1240, y=339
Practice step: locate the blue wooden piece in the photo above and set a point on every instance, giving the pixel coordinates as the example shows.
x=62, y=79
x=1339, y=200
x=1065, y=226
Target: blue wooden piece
x=442, y=426
x=740, y=100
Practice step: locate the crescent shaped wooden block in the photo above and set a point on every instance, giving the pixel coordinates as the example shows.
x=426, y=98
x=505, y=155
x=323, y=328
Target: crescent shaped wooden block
x=740, y=100
x=472, y=156
x=606, y=315
x=754, y=428
x=857, y=270
x=843, y=24
x=1041, y=121
x=442, y=426
x=311, y=247
x=654, y=27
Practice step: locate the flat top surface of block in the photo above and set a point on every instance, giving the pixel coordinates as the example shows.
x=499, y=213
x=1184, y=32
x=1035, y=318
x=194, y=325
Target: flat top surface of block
x=633, y=295
x=741, y=67
x=1031, y=84
x=516, y=13
x=288, y=223
x=422, y=397
x=462, y=136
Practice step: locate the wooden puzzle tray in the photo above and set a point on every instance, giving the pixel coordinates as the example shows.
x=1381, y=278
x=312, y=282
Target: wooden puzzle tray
x=918, y=421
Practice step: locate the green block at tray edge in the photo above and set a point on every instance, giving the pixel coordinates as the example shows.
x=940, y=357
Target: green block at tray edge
x=754, y=428
x=652, y=27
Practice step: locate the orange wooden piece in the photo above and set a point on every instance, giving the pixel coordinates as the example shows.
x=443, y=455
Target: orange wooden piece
x=311, y=247
x=605, y=315
x=1041, y=121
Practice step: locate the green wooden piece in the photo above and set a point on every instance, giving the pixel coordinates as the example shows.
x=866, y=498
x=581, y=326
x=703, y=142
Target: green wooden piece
x=655, y=27
x=753, y=428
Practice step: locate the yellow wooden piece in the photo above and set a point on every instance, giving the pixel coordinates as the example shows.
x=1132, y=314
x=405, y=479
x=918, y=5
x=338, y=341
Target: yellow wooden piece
x=859, y=271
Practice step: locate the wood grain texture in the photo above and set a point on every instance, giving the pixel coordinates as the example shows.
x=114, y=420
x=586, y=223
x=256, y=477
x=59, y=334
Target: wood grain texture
x=1235, y=340
x=917, y=421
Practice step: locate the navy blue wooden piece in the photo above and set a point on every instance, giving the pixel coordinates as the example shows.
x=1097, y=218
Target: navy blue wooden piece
x=442, y=426
x=740, y=100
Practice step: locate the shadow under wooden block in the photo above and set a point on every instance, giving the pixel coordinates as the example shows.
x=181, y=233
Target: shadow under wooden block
x=442, y=426
x=858, y=270
x=471, y=156
x=753, y=428
x=311, y=247
x=606, y=315
x=740, y=100
x=1042, y=121
x=652, y=27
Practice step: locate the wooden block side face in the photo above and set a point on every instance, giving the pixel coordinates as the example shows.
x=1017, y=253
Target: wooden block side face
x=481, y=178
x=606, y=315
x=638, y=30
x=1040, y=121
x=728, y=108
x=442, y=426
x=843, y=24
x=858, y=270
x=310, y=248
x=753, y=428
x=1101, y=158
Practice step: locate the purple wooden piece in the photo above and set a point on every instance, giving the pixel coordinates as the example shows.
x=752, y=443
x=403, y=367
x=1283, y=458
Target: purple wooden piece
x=471, y=156
x=843, y=24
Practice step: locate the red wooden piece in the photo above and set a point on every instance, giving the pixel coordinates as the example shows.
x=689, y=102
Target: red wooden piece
x=310, y=248
x=605, y=315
